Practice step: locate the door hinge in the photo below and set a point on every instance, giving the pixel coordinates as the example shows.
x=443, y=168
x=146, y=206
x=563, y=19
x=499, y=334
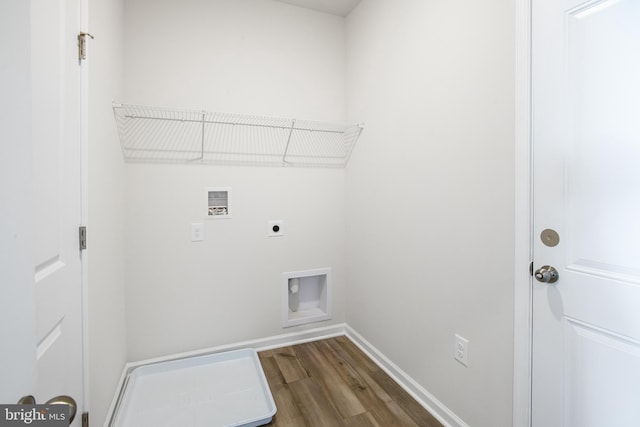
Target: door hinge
x=82, y=45
x=82, y=237
x=85, y=419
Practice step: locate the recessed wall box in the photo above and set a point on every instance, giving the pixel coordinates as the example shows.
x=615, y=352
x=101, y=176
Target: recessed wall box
x=306, y=296
x=218, y=202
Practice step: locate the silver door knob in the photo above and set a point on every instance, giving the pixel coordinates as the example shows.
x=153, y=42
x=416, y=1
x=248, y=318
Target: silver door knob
x=546, y=274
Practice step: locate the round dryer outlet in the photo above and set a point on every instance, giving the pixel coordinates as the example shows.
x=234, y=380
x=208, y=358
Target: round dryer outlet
x=275, y=228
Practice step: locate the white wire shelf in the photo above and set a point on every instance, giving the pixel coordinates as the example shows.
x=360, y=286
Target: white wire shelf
x=167, y=135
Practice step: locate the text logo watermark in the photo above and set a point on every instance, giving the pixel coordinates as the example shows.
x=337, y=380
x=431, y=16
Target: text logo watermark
x=34, y=415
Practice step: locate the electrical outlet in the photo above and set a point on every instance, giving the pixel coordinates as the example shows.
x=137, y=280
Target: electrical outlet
x=275, y=228
x=461, y=350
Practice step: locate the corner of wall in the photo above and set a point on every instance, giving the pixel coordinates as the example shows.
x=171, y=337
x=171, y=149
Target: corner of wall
x=105, y=206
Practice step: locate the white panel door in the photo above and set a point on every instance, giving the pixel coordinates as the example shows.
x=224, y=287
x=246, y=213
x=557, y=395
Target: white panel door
x=57, y=200
x=586, y=154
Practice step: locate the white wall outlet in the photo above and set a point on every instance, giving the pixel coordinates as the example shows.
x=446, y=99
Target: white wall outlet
x=197, y=232
x=461, y=350
x=275, y=228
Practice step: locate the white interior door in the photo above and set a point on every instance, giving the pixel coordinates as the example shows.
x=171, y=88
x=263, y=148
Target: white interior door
x=53, y=209
x=586, y=154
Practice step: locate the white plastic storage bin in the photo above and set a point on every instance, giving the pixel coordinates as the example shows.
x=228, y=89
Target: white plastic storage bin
x=306, y=296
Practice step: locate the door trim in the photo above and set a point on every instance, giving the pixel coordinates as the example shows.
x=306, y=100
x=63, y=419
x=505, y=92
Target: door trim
x=523, y=255
x=84, y=210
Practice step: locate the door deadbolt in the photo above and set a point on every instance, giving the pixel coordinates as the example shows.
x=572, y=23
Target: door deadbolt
x=550, y=237
x=546, y=274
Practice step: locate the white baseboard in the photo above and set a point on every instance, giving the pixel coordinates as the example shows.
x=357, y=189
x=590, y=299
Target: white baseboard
x=419, y=393
x=258, y=344
x=422, y=396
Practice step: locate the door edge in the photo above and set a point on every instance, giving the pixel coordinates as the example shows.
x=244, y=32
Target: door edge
x=522, y=351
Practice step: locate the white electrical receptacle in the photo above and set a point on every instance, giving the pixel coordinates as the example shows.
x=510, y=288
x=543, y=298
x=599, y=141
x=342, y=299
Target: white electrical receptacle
x=461, y=350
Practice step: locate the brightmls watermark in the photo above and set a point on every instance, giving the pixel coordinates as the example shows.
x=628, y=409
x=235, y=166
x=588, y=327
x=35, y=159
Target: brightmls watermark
x=34, y=415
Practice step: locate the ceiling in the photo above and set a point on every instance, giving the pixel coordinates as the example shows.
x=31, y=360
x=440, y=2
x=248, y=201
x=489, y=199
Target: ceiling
x=334, y=7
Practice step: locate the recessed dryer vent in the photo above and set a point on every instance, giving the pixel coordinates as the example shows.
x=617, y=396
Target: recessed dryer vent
x=306, y=296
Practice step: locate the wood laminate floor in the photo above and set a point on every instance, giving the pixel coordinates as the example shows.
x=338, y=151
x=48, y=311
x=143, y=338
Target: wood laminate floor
x=331, y=383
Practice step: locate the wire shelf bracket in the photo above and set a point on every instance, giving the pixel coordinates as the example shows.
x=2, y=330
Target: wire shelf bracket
x=168, y=135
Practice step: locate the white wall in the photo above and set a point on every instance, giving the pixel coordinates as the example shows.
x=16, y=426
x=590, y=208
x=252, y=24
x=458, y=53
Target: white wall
x=251, y=57
x=241, y=56
x=105, y=254
x=434, y=83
